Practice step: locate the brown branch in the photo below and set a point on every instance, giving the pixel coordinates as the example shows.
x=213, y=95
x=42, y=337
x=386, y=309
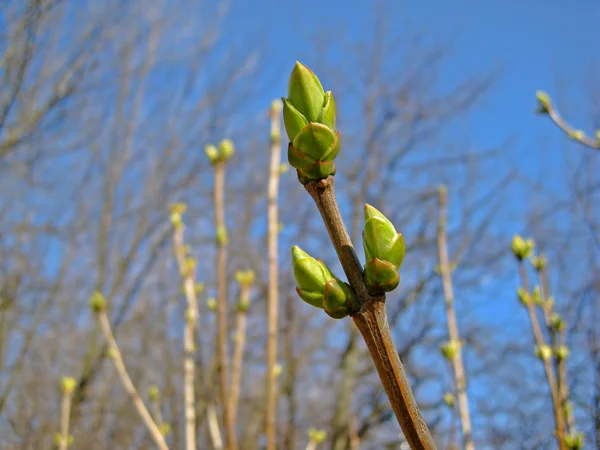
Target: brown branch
x=136, y=400
x=457, y=362
x=221, y=263
x=369, y=315
x=273, y=299
x=550, y=377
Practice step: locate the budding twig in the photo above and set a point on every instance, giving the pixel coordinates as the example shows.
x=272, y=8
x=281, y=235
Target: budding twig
x=456, y=360
x=550, y=377
x=187, y=269
x=369, y=315
x=68, y=384
x=240, y=345
x=273, y=293
x=117, y=359
x=546, y=107
x=221, y=264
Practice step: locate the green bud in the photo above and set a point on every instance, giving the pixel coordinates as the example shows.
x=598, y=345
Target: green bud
x=305, y=93
x=277, y=370
x=212, y=153
x=190, y=317
x=243, y=305
x=537, y=295
x=211, y=303
x=97, y=302
x=524, y=296
x=384, y=250
x=164, y=428
x=153, y=393
x=539, y=263
x=221, y=236
x=58, y=439
x=567, y=409
x=245, y=278
x=557, y=322
x=450, y=349
x=199, y=288
x=317, y=436
x=561, y=352
x=111, y=353
x=68, y=385
x=544, y=352
x=309, y=116
x=318, y=287
x=544, y=103
x=449, y=399
x=597, y=134
x=522, y=248
x=283, y=168
x=275, y=106
x=577, y=135
x=226, y=149
x=313, y=150
x=178, y=208
x=574, y=441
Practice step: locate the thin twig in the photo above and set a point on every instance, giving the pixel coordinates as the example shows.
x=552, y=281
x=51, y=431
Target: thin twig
x=369, y=315
x=188, y=274
x=273, y=299
x=571, y=132
x=213, y=427
x=64, y=419
x=550, y=377
x=221, y=262
x=457, y=362
x=117, y=358
x=558, y=340
x=238, y=353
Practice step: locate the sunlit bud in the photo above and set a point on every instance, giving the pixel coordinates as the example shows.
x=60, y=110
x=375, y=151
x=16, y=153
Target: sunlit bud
x=384, y=251
x=211, y=303
x=450, y=349
x=522, y=248
x=153, y=393
x=317, y=436
x=309, y=117
x=318, y=287
x=544, y=352
x=544, y=102
x=449, y=399
x=68, y=384
x=97, y=302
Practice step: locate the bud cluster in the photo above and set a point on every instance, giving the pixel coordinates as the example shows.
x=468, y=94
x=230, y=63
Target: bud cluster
x=318, y=287
x=221, y=154
x=384, y=250
x=522, y=248
x=309, y=117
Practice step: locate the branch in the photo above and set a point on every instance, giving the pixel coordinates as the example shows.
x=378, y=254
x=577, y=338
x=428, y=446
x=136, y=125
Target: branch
x=68, y=384
x=550, y=377
x=221, y=263
x=117, y=358
x=545, y=107
x=273, y=290
x=187, y=268
x=369, y=315
x=238, y=352
x=456, y=360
